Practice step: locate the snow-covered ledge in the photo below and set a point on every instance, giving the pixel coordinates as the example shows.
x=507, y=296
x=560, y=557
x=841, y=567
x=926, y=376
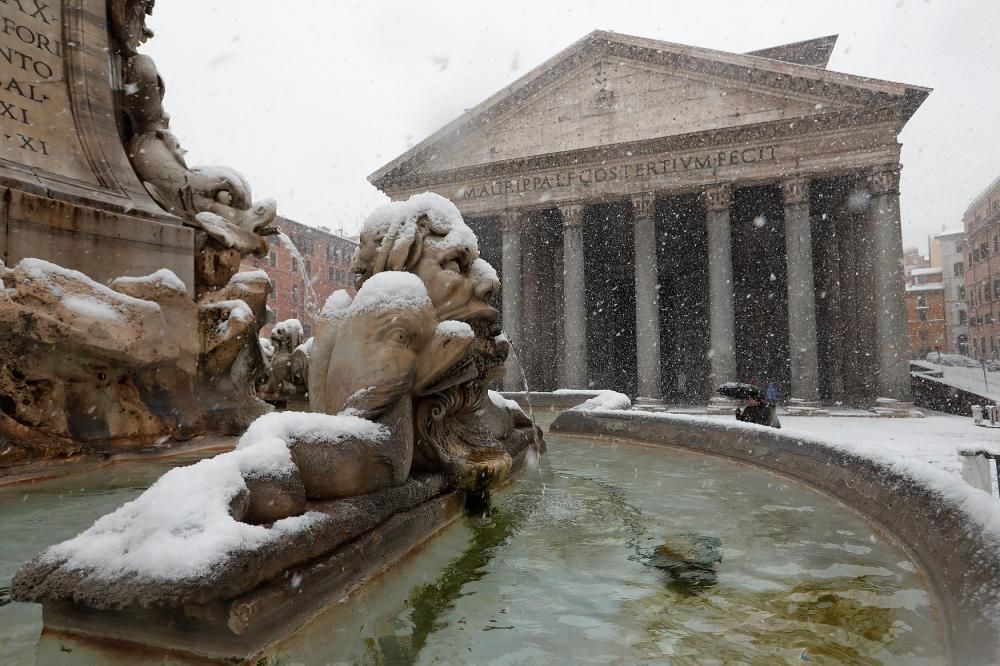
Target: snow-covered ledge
x=950, y=529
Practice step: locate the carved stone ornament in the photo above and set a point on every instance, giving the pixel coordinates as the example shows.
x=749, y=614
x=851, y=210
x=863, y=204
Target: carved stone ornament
x=513, y=220
x=128, y=24
x=795, y=191
x=572, y=214
x=643, y=205
x=216, y=200
x=718, y=197
x=884, y=180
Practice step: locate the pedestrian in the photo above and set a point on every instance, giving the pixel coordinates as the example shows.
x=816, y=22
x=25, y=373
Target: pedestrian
x=772, y=393
x=760, y=412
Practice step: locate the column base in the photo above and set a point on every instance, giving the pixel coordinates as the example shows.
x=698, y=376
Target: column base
x=720, y=405
x=803, y=407
x=649, y=404
x=895, y=409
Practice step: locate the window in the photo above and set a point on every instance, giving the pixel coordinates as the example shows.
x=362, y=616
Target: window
x=922, y=314
x=921, y=301
x=295, y=294
x=988, y=319
x=962, y=318
x=961, y=292
x=996, y=288
x=958, y=247
x=309, y=268
x=273, y=257
x=295, y=264
x=919, y=279
x=332, y=273
x=959, y=268
x=923, y=335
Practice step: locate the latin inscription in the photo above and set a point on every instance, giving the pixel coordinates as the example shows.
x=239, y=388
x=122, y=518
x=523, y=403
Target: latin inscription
x=622, y=172
x=36, y=124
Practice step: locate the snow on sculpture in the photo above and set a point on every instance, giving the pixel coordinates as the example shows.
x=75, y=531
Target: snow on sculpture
x=410, y=430
x=89, y=367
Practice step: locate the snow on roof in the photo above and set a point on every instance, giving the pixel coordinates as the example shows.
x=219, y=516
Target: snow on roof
x=390, y=290
x=950, y=232
x=925, y=271
x=933, y=286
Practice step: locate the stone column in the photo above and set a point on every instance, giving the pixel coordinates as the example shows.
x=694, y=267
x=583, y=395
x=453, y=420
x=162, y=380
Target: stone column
x=574, y=299
x=511, y=224
x=893, y=378
x=722, y=315
x=647, y=299
x=801, y=298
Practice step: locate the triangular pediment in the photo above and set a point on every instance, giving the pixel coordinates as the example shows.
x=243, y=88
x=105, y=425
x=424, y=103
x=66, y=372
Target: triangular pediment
x=616, y=90
x=618, y=101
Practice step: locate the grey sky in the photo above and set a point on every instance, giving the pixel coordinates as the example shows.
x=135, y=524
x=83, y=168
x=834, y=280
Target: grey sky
x=307, y=98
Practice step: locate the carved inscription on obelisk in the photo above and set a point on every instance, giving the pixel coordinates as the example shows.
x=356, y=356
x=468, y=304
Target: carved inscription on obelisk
x=36, y=120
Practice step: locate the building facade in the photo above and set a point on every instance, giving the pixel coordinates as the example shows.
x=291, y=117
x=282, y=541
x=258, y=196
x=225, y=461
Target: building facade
x=306, y=265
x=666, y=218
x=947, y=252
x=981, y=222
x=925, y=311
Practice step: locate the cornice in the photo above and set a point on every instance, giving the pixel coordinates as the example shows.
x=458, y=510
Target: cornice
x=704, y=140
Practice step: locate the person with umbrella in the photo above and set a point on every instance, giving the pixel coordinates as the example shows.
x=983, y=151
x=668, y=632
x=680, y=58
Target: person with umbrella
x=758, y=410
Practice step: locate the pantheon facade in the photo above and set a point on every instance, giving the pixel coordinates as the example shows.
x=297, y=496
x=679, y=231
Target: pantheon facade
x=666, y=218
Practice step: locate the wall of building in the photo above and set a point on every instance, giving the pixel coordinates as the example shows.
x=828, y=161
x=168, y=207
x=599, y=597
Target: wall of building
x=947, y=251
x=305, y=265
x=982, y=272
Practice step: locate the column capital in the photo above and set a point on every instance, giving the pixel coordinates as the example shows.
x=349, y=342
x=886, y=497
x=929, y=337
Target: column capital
x=572, y=214
x=884, y=179
x=795, y=191
x=513, y=220
x=718, y=197
x=643, y=205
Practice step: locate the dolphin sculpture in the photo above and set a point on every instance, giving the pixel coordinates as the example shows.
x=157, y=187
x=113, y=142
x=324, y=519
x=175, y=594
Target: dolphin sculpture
x=387, y=349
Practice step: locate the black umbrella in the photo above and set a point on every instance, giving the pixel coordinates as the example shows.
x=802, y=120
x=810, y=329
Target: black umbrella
x=741, y=391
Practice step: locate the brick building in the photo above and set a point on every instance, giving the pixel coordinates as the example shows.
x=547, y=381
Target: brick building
x=925, y=314
x=982, y=271
x=306, y=265
x=947, y=250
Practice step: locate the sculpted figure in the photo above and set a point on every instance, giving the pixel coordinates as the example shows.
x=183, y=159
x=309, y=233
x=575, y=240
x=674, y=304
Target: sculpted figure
x=216, y=200
x=286, y=337
x=458, y=429
x=388, y=350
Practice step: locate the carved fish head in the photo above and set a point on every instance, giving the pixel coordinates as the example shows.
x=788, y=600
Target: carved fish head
x=447, y=360
x=375, y=359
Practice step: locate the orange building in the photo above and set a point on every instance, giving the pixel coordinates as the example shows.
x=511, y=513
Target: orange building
x=306, y=265
x=981, y=222
x=925, y=313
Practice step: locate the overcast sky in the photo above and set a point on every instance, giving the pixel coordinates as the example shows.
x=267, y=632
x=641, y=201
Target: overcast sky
x=308, y=97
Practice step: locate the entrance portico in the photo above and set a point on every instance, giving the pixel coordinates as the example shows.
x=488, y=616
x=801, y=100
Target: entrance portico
x=715, y=217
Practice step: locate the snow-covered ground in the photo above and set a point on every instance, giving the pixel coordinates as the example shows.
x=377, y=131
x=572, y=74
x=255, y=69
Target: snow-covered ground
x=932, y=442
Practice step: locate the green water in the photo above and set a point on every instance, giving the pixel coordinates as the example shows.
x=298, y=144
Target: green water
x=558, y=573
